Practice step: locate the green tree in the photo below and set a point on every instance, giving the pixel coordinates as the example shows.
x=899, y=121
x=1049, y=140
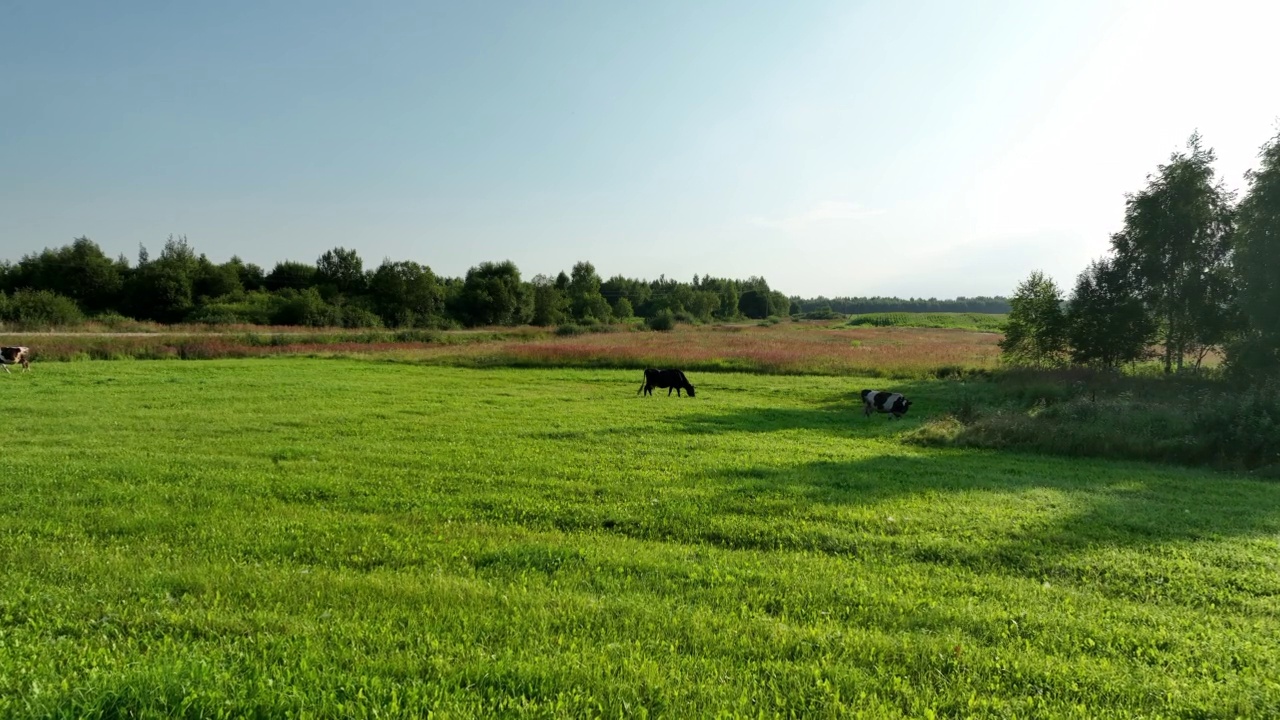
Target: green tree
x=79, y=271
x=549, y=302
x=779, y=304
x=492, y=294
x=754, y=304
x=406, y=294
x=292, y=275
x=1035, y=332
x=342, y=270
x=163, y=289
x=635, y=292
x=1107, y=324
x=1257, y=266
x=585, y=299
x=251, y=276
x=702, y=304
x=1176, y=245
x=215, y=281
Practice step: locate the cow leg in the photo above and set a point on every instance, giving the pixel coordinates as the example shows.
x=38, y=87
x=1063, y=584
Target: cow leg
x=6, y=367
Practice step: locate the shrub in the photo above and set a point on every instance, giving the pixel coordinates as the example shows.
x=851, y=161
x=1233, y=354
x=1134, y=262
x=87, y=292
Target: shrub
x=358, y=317
x=663, y=321
x=216, y=315
x=1191, y=422
x=41, y=309
x=116, y=322
x=303, y=308
x=822, y=314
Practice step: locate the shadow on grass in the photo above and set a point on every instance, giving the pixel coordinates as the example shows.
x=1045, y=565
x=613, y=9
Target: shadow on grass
x=1089, y=503
x=837, y=415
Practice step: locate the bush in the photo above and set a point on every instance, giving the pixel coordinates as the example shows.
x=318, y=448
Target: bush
x=663, y=321
x=41, y=309
x=216, y=315
x=570, y=329
x=115, y=322
x=304, y=308
x=358, y=317
x=822, y=314
x=1176, y=420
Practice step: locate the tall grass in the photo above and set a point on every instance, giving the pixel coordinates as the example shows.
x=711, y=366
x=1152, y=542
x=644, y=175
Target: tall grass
x=788, y=348
x=1193, y=420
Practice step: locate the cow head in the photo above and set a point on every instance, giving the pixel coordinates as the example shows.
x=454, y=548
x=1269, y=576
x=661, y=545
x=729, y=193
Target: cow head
x=689, y=388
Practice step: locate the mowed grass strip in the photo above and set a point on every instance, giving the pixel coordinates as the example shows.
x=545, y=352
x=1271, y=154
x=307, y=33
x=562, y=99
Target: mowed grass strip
x=341, y=538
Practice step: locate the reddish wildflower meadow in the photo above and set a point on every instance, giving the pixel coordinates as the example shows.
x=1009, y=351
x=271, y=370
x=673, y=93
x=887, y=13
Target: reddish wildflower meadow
x=786, y=348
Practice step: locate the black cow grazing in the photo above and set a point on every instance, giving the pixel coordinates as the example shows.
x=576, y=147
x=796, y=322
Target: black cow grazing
x=673, y=379
x=15, y=355
x=895, y=404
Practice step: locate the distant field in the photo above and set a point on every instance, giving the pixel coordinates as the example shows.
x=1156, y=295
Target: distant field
x=784, y=348
x=360, y=538
x=984, y=322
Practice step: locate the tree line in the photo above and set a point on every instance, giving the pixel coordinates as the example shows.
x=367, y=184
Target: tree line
x=63, y=286
x=1192, y=271
x=863, y=305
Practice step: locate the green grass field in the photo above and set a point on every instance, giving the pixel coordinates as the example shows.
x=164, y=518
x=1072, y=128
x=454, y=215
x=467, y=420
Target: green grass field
x=983, y=322
x=361, y=538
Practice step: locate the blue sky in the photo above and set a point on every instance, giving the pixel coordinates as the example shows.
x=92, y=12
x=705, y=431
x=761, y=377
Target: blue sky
x=838, y=148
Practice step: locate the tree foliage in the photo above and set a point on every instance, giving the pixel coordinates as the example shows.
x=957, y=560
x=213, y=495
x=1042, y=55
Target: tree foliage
x=1257, y=264
x=492, y=294
x=79, y=271
x=1176, y=245
x=586, y=302
x=406, y=294
x=342, y=270
x=1035, y=332
x=1107, y=324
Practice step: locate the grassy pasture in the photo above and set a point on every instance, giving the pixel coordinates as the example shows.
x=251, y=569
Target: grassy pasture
x=983, y=322
x=358, y=538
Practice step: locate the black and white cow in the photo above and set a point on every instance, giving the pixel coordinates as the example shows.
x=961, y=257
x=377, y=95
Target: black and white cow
x=673, y=379
x=895, y=404
x=15, y=355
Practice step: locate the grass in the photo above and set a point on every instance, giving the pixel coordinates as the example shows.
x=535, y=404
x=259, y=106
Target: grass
x=1193, y=419
x=982, y=322
x=787, y=348
x=354, y=538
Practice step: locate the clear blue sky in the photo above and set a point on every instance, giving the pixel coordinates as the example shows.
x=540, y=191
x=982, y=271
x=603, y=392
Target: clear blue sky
x=838, y=148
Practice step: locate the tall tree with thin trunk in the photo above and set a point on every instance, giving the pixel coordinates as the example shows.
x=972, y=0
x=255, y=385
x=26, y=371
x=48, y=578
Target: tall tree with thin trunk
x=1257, y=265
x=1176, y=246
